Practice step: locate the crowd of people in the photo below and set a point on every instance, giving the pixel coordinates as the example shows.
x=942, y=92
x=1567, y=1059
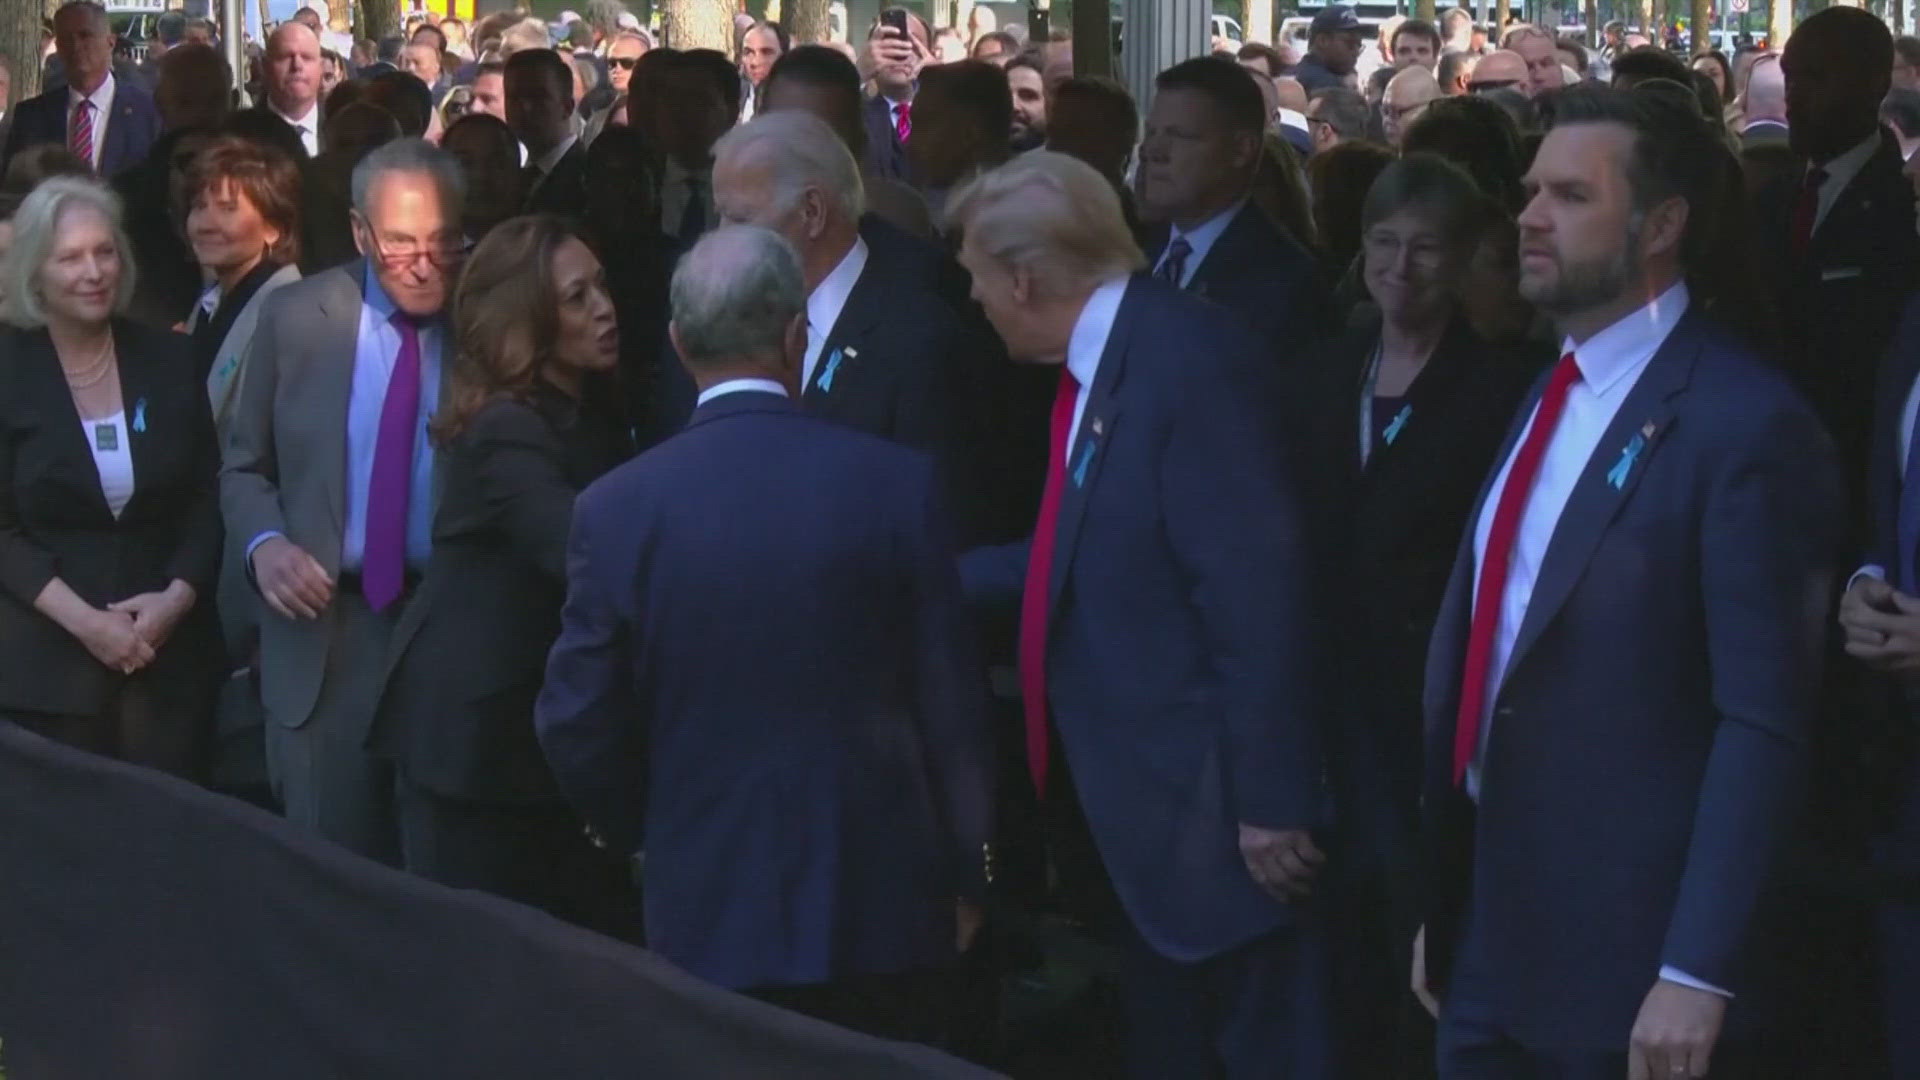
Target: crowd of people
x=1424, y=573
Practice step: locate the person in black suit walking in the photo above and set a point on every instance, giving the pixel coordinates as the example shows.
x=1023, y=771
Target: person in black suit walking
x=108, y=122
x=523, y=431
x=540, y=112
x=887, y=352
x=1400, y=420
x=893, y=61
x=1197, y=165
x=109, y=514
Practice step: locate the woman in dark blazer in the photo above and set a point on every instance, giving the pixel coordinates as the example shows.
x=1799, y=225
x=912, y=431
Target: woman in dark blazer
x=1402, y=419
x=528, y=423
x=109, y=517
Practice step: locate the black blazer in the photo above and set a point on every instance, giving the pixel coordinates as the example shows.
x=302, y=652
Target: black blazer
x=1264, y=276
x=885, y=154
x=1386, y=535
x=564, y=190
x=131, y=129
x=54, y=520
x=470, y=650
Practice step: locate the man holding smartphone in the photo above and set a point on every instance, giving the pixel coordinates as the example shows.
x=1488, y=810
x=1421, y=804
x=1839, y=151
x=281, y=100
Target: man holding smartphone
x=896, y=51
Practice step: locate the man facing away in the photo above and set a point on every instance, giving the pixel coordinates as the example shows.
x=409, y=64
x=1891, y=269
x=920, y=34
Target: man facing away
x=764, y=679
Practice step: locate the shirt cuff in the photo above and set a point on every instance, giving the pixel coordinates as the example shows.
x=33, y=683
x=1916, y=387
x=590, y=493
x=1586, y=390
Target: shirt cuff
x=1672, y=974
x=247, y=562
x=1870, y=570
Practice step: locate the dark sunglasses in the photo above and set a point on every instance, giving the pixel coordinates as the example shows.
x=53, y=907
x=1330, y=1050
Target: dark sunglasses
x=624, y=63
x=1490, y=84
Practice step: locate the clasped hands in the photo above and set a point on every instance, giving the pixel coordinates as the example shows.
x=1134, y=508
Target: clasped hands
x=1282, y=861
x=126, y=635
x=1882, y=627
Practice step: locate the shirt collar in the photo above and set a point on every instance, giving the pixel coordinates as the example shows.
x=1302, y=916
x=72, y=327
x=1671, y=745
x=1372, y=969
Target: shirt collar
x=740, y=386
x=303, y=122
x=102, y=96
x=553, y=156
x=374, y=295
x=1841, y=170
x=1203, y=236
x=829, y=297
x=1092, y=329
x=1629, y=343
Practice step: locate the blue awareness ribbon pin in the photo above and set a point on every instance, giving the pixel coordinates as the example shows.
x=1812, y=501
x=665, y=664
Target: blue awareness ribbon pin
x=1080, y=467
x=826, y=374
x=1399, y=421
x=1617, y=476
x=140, y=415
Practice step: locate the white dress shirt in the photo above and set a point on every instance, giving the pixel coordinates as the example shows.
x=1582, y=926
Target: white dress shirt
x=826, y=302
x=111, y=442
x=102, y=98
x=308, y=126
x=1201, y=239
x=1089, y=342
x=1840, y=173
x=1611, y=363
x=739, y=386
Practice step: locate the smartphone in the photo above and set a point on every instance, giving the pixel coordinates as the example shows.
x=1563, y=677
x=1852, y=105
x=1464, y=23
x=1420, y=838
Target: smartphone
x=895, y=18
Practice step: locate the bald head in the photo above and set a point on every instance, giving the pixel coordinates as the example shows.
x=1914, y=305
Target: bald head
x=293, y=69
x=1292, y=94
x=1767, y=92
x=1408, y=95
x=1502, y=67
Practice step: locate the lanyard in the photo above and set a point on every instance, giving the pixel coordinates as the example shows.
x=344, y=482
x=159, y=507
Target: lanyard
x=1366, y=404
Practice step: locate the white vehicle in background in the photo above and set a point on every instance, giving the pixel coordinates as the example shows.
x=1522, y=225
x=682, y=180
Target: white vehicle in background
x=1225, y=26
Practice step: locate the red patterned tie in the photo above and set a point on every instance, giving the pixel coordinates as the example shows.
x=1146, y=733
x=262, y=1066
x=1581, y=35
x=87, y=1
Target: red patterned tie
x=1807, y=211
x=903, y=120
x=81, y=142
x=1498, y=556
x=1033, y=600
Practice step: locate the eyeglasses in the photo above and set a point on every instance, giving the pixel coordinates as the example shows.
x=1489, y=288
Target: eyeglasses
x=441, y=253
x=1490, y=84
x=624, y=63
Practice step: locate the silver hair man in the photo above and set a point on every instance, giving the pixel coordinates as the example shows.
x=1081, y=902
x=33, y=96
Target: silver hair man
x=738, y=301
x=412, y=156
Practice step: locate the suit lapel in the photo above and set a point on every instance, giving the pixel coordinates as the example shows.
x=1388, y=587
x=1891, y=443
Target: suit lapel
x=840, y=353
x=1613, y=472
x=339, y=338
x=134, y=404
x=1097, y=423
x=75, y=441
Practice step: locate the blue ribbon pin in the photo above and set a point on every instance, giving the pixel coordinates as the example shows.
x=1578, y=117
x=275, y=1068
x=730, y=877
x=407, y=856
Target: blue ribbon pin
x=1617, y=476
x=140, y=416
x=1080, y=467
x=825, y=382
x=1399, y=421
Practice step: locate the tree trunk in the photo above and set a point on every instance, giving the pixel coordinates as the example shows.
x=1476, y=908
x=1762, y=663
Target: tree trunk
x=1592, y=10
x=1425, y=9
x=266, y=20
x=1501, y=11
x=1092, y=24
x=380, y=18
x=806, y=20
x=1702, y=26
x=20, y=44
x=1258, y=25
x=699, y=24
x=340, y=15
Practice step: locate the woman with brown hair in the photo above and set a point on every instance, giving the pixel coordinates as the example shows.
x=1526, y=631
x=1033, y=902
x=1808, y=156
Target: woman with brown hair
x=522, y=431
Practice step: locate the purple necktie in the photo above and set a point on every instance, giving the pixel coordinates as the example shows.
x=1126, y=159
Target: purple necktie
x=384, y=564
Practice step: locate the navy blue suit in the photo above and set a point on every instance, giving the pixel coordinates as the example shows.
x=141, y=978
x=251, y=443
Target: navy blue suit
x=1647, y=751
x=764, y=681
x=1264, y=276
x=130, y=130
x=1177, y=651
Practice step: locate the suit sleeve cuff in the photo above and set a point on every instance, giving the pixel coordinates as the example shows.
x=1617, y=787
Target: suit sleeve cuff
x=1672, y=974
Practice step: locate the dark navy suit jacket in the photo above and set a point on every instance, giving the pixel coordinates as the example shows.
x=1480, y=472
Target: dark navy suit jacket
x=130, y=130
x=764, y=681
x=1647, y=750
x=1264, y=276
x=1177, y=649
x=1896, y=792
x=886, y=155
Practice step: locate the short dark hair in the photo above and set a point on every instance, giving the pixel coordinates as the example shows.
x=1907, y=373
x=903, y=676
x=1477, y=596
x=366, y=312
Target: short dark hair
x=406, y=98
x=388, y=49
x=1674, y=155
x=824, y=68
x=1258, y=50
x=1032, y=58
x=1419, y=28
x=1650, y=62
x=1235, y=96
x=1476, y=135
x=1431, y=184
x=1902, y=110
x=529, y=62
x=170, y=28
x=266, y=176
x=429, y=28
x=980, y=88
x=1009, y=44
x=1448, y=70
x=1343, y=110
x=721, y=70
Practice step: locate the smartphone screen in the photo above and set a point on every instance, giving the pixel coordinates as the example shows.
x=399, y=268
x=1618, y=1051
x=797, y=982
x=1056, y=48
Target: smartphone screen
x=895, y=18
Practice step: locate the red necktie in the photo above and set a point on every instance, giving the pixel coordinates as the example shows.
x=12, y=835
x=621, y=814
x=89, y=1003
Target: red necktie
x=903, y=120
x=1492, y=590
x=1033, y=600
x=81, y=142
x=1807, y=210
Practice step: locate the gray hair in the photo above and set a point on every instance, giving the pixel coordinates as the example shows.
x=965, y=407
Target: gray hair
x=36, y=227
x=735, y=294
x=412, y=156
x=800, y=151
x=97, y=11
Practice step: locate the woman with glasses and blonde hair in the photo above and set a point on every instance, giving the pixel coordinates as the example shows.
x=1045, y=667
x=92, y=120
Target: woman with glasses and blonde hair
x=529, y=419
x=109, y=516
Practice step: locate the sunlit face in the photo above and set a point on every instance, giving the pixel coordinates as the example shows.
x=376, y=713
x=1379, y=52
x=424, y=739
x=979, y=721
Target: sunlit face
x=1409, y=267
x=226, y=229
x=1578, y=232
x=1714, y=71
x=1029, y=104
x=490, y=95
x=626, y=52
x=81, y=274
x=744, y=194
x=589, y=336
x=293, y=68
x=84, y=41
x=1189, y=155
x=422, y=61
x=330, y=74
x=758, y=50
x=412, y=241
x=1543, y=63
x=1409, y=49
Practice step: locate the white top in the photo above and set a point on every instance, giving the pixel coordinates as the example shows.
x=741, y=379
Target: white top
x=736, y=386
x=102, y=98
x=825, y=303
x=308, y=126
x=1840, y=173
x=1201, y=239
x=109, y=440
x=1089, y=342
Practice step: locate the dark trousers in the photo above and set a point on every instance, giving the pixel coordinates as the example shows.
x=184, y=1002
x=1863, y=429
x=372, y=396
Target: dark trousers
x=1899, y=927
x=133, y=728
x=908, y=1006
x=534, y=853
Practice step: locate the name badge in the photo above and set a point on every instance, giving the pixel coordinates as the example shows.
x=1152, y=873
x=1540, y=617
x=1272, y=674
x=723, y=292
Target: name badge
x=106, y=437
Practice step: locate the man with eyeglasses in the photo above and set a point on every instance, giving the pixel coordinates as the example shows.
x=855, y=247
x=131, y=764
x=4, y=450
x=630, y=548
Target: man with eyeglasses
x=1335, y=115
x=328, y=485
x=623, y=56
x=1408, y=95
x=1499, y=70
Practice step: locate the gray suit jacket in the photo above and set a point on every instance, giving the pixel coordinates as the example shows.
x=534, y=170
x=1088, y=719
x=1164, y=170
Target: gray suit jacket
x=285, y=465
x=229, y=374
